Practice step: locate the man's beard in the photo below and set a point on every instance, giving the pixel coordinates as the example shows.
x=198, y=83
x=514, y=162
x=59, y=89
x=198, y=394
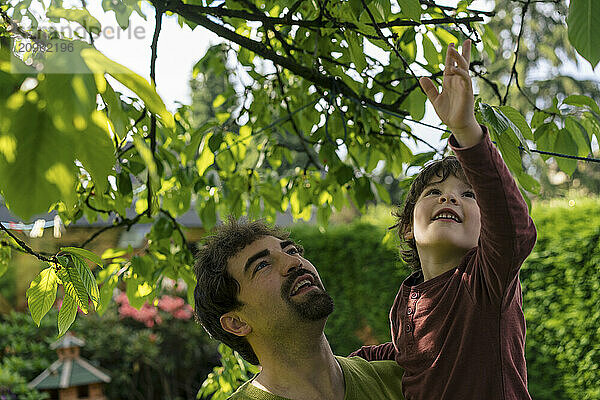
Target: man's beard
x=316, y=304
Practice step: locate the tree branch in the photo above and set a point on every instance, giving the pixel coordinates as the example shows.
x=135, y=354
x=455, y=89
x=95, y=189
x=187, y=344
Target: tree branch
x=309, y=74
x=123, y=222
x=27, y=249
x=287, y=20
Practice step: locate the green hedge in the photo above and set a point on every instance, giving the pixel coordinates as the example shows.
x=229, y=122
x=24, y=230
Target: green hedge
x=362, y=275
x=561, y=286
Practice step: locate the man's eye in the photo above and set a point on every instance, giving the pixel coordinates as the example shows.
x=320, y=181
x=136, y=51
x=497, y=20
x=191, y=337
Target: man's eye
x=260, y=266
x=469, y=193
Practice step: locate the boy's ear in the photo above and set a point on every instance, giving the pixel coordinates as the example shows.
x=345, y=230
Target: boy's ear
x=232, y=323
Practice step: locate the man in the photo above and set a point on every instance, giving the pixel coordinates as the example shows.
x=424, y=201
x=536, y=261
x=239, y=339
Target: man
x=256, y=293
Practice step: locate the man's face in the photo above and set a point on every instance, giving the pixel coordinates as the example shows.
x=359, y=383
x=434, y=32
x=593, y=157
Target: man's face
x=277, y=285
x=446, y=216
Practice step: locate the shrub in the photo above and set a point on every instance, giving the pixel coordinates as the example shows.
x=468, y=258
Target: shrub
x=561, y=286
x=166, y=359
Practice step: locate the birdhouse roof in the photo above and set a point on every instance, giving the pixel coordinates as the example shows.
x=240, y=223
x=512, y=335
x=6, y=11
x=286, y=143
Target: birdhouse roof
x=68, y=340
x=68, y=373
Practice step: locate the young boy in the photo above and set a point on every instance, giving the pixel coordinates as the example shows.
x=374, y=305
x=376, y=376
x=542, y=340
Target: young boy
x=457, y=324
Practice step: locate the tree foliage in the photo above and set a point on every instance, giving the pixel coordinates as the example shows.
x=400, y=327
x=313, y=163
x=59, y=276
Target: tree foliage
x=316, y=105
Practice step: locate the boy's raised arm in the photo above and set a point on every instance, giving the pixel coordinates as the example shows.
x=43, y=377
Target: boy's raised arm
x=507, y=232
x=455, y=103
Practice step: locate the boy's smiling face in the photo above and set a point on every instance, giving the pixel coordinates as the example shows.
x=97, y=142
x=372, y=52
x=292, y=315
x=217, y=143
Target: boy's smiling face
x=446, y=218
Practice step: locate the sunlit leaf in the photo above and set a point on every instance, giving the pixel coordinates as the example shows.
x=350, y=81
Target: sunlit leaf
x=411, y=9
x=101, y=64
x=72, y=282
x=42, y=293
x=66, y=314
x=81, y=16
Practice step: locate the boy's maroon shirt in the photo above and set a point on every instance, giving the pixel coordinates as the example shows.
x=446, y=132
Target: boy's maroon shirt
x=461, y=335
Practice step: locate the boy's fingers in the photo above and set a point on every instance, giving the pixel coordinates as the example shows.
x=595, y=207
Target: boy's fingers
x=466, y=50
x=429, y=89
x=459, y=59
x=449, y=61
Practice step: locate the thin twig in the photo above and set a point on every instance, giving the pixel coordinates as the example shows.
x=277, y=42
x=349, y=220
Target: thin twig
x=513, y=70
x=176, y=224
x=27, y=249
x=159, y=13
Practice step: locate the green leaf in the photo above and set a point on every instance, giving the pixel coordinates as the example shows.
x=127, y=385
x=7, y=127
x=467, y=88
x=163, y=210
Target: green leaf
x=343, y=174
x=583, y=23
x=84, y=254
x=582, y=101
x=357, y=54
x=206, y=158
x=66, y=315
x=4, y=259
x=580, y=135
x=124, y=183
x=323, y=214
x=146, y=154
x=529, y=183
x=219, y=101
x=88, y=279
x=138, y=291
x=71, y=98
x=384, y=195
x=99, y=63
x=96, y=150
x=42, y=162
x=116, y=114
x=72, y=283
x=565, y=145
x=81, y=16
x=545, y=138
x=519, y=121
x=106, y=292
x=207, y=213
x=415, y=104
x=432, y=55
x=510, y=153
x=41, y=294
x=491, y=118
x=411, y=9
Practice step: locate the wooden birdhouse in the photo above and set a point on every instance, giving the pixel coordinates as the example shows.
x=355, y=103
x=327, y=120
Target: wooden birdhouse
x=71, y=377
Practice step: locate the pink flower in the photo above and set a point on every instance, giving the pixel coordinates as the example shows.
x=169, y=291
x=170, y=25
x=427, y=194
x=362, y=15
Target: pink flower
x=170, y=304
x=183, y=313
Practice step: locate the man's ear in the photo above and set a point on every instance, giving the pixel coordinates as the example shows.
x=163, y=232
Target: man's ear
x=408, y=233
x=232, y=323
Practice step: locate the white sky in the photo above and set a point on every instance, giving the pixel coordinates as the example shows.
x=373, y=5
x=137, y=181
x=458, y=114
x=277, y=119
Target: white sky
x=179, y=48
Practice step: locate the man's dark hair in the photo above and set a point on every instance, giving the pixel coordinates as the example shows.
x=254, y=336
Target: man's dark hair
x=216, y=290
x=404, y=217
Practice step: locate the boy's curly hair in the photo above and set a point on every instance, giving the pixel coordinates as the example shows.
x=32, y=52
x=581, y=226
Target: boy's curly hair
x=216, y=291
x=404, y=216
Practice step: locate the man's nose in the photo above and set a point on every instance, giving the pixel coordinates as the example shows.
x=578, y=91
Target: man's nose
x=289, y=263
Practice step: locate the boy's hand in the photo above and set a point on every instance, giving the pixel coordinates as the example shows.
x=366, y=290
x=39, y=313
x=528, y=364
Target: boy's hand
x=455, y=104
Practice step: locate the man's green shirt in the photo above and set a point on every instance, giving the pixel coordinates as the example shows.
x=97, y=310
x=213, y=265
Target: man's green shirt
x=364, y=380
